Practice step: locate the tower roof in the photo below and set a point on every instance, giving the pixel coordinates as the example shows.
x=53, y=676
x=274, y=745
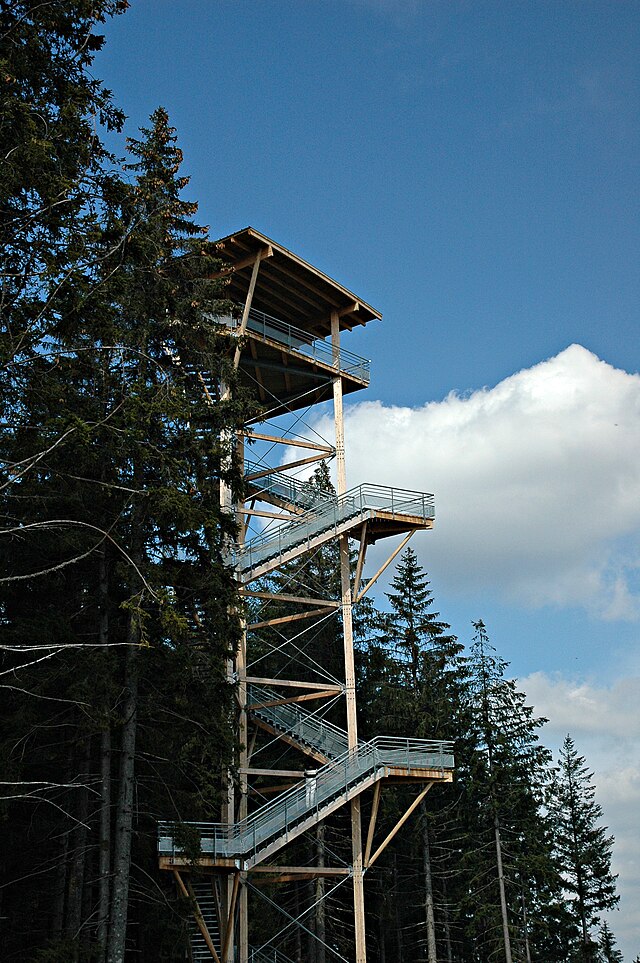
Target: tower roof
x=288, y=287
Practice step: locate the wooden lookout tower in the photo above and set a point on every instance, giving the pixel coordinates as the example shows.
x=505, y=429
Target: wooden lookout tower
x=291, y=319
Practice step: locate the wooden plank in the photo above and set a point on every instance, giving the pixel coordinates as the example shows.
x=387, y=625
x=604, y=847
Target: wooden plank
x=240, y=265
x=285, y=773
x=258, y=680
x=294, y=442
x=398, y=826
x=280, y=597
x=361, y=557
x=290, y=618
x=372, y=822
x=291, y=464
x=247, y=308
x=313, y=870
x=382, y=568
x=322, y=694
x=281, y=515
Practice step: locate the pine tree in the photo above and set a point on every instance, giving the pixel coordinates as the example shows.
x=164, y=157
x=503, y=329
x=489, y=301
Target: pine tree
x=583, y=847
x=513, y=881
x=607, y=946
x=414, y=683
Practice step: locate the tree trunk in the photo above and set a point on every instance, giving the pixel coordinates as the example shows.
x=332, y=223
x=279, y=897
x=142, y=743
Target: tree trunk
x=428, y=890
x=124, y=808
x=104, y=845
x=60, y=889
x=447, y=922
x=73, y=920
x=503, y=896
x=320, y=910
x=104, y=848
x=397, y=916
x=525, y=923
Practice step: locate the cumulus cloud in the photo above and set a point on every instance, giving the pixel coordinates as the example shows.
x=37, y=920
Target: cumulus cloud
x=537, y=482
x=605, y=725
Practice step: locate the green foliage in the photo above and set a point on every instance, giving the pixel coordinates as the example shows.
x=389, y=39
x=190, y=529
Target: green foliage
x=119, y=604
x=582, y=846
x=607, y=946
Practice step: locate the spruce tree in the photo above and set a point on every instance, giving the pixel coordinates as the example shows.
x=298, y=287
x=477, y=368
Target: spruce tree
x=415, y=686
x=609, y=953
x=583, y=848
x=513, y=883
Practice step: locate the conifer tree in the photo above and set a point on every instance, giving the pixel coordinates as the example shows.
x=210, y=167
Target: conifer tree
x=418, y=675
x=583, y=848
x=512, y=876
x=609, y=953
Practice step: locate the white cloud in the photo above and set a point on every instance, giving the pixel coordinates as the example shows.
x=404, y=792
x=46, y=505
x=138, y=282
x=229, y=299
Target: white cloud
x=605, y=725
x=537, y=482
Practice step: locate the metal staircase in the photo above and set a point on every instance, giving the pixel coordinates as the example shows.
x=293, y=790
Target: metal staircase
x=282, y=490
x=205, y=898
x=302, y=727
x=344, y=776
x=331, y=516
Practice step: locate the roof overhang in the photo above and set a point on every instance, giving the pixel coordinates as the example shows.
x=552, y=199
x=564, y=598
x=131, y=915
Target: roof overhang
x=287, y=286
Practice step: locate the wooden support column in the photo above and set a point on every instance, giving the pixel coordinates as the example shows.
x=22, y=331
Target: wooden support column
x=240, y=658
x=227, y=947
x=349, y=666
x=241, y=654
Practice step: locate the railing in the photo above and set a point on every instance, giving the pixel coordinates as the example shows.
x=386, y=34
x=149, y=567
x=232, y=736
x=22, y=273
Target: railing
x=295, y=339
x=288, y=489
x=304, y=727
x=268, y=954
x=306, y=800
x=327, y=516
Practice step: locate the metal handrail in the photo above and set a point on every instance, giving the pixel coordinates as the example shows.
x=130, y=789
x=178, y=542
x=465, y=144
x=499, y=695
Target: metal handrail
x=268, y=954
x=292, y=720
x=295, y=339
x=327, y=515
x=287, y=487
x=304, y=800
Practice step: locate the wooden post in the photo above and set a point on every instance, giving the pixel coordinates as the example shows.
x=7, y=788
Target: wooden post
x=240, y=659
x=349, y=666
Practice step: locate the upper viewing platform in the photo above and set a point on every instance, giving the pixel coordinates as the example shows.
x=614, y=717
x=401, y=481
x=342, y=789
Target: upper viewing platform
x=290, y=309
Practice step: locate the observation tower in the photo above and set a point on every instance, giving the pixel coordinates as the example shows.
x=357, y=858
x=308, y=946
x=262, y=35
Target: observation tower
x=285, y=339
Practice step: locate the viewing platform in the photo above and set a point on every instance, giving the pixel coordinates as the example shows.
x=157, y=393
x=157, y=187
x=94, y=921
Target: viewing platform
x=387, y=511
x=263, y=833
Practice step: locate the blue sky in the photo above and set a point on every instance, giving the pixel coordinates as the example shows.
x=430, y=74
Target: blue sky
x=470, y=169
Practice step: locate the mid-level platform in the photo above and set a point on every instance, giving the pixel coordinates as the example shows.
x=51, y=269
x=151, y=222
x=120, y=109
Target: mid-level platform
x=387, y=511
x=263, y=833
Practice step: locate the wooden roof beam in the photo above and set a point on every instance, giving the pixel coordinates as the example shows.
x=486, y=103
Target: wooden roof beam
x=239, y=265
